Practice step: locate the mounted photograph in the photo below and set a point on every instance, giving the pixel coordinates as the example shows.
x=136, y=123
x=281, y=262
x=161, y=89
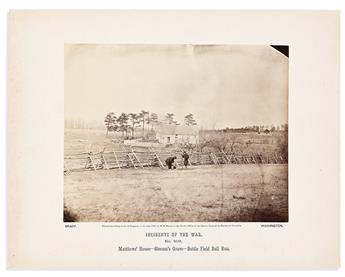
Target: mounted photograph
x=175, y=133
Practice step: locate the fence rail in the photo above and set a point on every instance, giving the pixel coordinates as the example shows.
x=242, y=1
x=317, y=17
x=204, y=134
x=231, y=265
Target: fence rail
x=140, y=158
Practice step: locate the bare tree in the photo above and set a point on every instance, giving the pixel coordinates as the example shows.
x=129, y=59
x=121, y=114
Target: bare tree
x=221, y=143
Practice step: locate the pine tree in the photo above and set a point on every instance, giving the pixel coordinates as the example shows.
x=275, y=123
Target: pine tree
x=189, y=120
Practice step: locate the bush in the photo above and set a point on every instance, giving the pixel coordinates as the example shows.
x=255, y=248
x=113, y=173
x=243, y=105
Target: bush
x=220, y=143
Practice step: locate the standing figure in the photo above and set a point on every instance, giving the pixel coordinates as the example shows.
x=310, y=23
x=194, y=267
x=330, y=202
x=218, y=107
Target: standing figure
x=170, y=162
x=185, y=157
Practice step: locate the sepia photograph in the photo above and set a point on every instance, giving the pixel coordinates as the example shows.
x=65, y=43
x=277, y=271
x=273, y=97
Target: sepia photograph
x=173, y=140
x=175, y=133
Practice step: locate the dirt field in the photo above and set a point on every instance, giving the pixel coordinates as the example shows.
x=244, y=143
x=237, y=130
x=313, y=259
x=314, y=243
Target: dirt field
x=227, y=193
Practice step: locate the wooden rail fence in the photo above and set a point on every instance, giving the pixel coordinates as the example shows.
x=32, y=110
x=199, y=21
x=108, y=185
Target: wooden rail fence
x=131, y=157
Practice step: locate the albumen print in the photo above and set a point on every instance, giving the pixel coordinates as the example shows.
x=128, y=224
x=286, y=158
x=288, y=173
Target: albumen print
x=176, y=133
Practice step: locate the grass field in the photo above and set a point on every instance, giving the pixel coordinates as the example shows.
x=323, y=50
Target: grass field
x=84, y=140
x=227, y=193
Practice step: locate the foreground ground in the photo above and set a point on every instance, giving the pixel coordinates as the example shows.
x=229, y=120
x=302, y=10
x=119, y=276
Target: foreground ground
x=228, y=193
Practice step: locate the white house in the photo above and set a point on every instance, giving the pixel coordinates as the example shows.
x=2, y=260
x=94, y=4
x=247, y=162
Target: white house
x=181, y=134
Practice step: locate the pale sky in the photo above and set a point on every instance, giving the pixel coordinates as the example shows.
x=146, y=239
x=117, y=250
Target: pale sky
x=222, y=85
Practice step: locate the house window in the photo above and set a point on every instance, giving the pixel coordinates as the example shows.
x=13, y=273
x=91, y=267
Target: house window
x=168, y=139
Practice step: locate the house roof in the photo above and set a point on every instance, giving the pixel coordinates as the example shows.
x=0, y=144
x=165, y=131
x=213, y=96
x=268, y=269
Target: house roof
x=177, y=130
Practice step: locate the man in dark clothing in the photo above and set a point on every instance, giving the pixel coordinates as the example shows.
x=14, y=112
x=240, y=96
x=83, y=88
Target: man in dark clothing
x=170, y=161
x=185, y=157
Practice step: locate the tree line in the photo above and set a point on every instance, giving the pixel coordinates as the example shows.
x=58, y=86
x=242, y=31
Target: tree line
x=128, y=122
x=258, y=129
